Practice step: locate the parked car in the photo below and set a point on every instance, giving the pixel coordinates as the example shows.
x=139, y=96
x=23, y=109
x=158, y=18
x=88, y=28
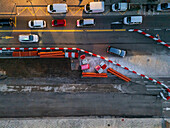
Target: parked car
x=116, y=51
x=163, y=7
x=94, y=7
x=132, y=20
x=59, y=23
x=6, y=22
x=37, y=24
x=57, y=8
x=120, y=7
x=28, y=38
x=85, y=22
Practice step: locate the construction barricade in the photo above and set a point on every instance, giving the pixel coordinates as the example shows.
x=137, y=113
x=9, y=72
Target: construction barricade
x=71, y=55
x=112, y=71
x=27, y=53
x=90, y=74
x=54, y=54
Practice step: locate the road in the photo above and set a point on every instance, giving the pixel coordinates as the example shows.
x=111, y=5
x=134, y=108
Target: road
x=49, y=104
x=86, y=39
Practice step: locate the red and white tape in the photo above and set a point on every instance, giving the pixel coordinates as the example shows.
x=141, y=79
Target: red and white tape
x=92, y=54
x=148, y=35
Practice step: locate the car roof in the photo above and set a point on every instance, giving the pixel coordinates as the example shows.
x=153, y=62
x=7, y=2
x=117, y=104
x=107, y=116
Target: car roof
x=115, y=50
x=136, y=18
x=123, y=6
x=88, y=21
x=24, y=37
x=38, y=22
x=96, y=5
x=59, y=6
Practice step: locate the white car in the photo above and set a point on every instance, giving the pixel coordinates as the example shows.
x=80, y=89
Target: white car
x=132, y=20
x=85, y=22
x=163, y=7
x=29, y=38
x=57, y=8
x=37, y=24
x=120, y=7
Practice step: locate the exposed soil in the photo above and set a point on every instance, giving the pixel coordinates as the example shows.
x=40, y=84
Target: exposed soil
x=37, y=67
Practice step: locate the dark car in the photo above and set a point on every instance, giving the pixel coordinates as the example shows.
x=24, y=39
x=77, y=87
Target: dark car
x=116, y=51
x=6, y=22
x=59, y=23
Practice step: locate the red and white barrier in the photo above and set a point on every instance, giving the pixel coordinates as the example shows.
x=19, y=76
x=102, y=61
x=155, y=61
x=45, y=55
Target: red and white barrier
x=71, y=55
x=152, y=37
x=92, y=54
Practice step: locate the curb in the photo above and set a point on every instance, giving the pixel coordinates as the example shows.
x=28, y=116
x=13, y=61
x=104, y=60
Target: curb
x=148, y=35
x=92, y=54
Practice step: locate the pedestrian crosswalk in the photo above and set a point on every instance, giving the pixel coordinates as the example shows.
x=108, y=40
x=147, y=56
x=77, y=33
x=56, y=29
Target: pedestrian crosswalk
x=166, y=109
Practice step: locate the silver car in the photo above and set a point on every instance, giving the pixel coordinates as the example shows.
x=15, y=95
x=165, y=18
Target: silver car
x=85, y=22
x=28, y=38
x=37, y=24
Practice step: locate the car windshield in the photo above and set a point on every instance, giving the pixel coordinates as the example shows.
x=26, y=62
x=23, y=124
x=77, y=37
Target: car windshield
x=55, y=22
x=88, y=7
x=30, y=37
x=129, y=19
x=32, y=23
x=81, y=22
x=51, y=7
x=116, y=6
x=164, y=6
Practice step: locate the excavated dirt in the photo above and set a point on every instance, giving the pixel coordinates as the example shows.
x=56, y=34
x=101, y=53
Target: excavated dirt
x=37, y=67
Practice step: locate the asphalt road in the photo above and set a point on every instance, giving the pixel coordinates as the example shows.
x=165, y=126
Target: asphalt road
x=130, y=41
x=41, y=104
x=101, y=22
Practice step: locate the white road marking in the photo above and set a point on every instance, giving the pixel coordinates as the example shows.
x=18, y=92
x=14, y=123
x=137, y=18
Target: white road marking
x=166, y=109
x=157, y=29
x=154, y=89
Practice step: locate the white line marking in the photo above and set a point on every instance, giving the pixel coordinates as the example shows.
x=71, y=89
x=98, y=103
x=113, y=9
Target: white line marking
x=166, y=109
x=153, y=89
x=157, y=29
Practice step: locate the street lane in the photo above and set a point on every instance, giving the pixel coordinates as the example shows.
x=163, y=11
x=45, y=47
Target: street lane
x=42, y=104
x=102, y=22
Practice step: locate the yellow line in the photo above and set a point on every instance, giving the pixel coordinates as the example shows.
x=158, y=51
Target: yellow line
x=37, y=10
x=119, y=30
x=15, y=24
x=31, y=12
x=122, y=13
x=106, y=12
x=100, y=30
x=41, y=30
x=77, y=11
x=95, y=30
x=23, y=10
x=71, y=11
x=47, y=12
x=44, y=12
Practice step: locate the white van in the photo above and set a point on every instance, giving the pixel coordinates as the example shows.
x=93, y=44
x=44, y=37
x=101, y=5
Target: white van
x=94, y=7
x=132, y=20
x=57, y=8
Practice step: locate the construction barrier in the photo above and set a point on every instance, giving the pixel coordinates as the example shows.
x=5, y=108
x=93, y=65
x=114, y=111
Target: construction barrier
x=71, y=55
x=90, y=74
x=54, y=54
x=112, y=71
x=27, y=53
x=152, y=37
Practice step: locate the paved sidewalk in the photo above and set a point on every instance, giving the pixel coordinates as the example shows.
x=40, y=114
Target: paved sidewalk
x=83, y=123
x=153, y=65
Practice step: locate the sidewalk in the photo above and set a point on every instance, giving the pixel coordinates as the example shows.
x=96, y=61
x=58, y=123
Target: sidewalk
x=85, y=122
x=154, y=65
